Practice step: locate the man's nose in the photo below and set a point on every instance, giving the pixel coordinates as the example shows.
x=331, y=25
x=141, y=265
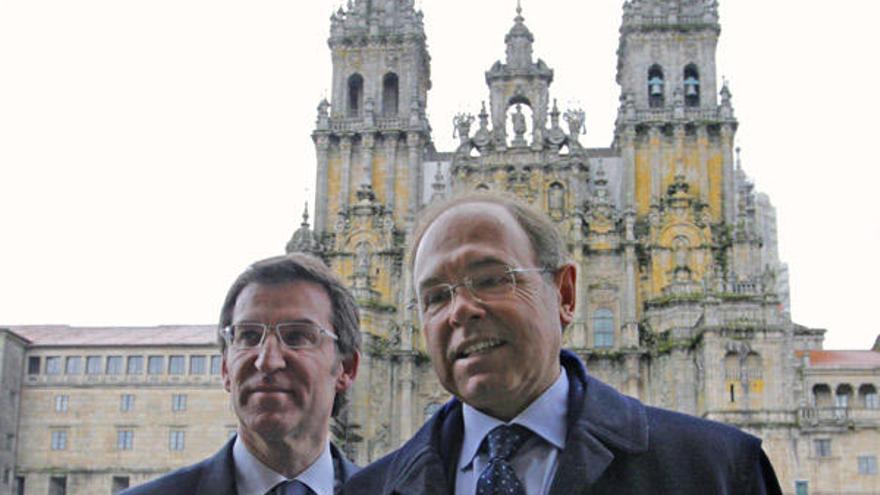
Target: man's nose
x=271, y=356
x=464, y=306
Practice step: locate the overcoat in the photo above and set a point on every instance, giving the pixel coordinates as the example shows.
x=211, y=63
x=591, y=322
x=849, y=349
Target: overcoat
x=216, y=476
x=614, y=445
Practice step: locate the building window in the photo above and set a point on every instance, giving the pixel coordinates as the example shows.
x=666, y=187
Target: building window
x=691, y=86
x=389, y=95
x=6, y=474
x=19, y=485
x=119, y=483
x=135, y=365
x=10, y=440
x=176, y=439
x=93, y=365
x=355, y=95
x=59, y=440
x=124, y=440
x=114, y=365
x=61, y=403
x=53, y=365
x=155, y=365
x=822, y=395
x=178, y=402
x=73, y=365
x=655, y=86
x=215, y=365
x=822, y=447
x=801, y=487
x=126, y=402
x=869, y=397
x=868, y=464
x=603, y=328
x=34, y=365
x=58, y=485
x=176, y=365
x=197, y=365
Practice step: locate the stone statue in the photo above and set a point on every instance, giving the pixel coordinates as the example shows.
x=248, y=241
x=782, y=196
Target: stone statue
x=323, y=120
x=575, y=119
x=519, y=126
x=462, y=125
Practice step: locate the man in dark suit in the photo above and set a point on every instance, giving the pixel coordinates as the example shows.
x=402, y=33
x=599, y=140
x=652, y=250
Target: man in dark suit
x=495, y=291
x=290, y=339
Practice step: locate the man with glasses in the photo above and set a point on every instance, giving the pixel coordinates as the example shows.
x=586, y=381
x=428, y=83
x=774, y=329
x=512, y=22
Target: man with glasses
x=290, y=340
x=495, y=291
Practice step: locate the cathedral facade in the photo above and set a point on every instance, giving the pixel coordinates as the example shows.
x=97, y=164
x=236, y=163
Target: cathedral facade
x=683, y=301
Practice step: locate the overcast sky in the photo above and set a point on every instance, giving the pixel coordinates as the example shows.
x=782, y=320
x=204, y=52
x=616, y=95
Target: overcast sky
x=149, y=150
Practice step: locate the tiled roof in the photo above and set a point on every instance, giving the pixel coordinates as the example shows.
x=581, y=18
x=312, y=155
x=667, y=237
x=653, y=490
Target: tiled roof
x=842, y=359
x=65, y=335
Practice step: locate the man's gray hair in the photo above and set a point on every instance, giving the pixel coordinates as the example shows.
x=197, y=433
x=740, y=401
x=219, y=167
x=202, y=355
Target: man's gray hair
x=296, y=267
x=547, y=243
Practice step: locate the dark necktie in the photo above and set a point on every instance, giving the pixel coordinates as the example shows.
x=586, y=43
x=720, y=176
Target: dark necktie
x=291, y=487
x=498, y=478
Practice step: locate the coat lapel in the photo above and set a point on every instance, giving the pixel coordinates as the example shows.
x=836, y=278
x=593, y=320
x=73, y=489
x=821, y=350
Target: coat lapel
x=601, y=421
x=218, y=477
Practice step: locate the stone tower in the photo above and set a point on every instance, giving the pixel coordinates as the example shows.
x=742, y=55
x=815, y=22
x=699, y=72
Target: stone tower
x=370, y=142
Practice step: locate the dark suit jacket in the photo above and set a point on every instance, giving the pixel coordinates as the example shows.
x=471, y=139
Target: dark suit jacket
x=614, y=445
x=216, y=476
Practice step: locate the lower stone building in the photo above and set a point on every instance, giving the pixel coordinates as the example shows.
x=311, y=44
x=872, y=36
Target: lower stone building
x=95, y=410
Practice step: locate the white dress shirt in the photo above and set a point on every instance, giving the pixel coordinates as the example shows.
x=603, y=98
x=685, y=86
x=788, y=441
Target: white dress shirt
x=536, y=461
x=252, y=477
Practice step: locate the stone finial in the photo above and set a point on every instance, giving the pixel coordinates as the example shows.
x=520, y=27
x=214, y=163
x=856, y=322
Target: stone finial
x=323, y=119
x=303, y=240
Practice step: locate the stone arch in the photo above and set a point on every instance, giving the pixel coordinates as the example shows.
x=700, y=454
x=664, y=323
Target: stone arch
x=843, y=395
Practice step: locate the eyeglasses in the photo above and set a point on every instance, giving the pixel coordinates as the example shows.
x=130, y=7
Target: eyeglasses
x=484, y=284
x=299, y=335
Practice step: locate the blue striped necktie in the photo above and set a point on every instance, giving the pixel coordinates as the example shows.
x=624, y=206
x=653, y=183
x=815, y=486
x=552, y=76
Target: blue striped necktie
x=498, y=477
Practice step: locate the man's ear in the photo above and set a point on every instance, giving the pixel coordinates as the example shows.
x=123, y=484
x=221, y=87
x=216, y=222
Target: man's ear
x=349, y=372
x=224, y=372
x=566, y=287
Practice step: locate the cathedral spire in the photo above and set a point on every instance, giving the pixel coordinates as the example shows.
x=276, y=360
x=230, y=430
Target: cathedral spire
x=519, y=42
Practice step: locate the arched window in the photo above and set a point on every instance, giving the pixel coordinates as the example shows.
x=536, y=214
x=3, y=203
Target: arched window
x=482, y=187
x=390, y=94
x=754, y=367
x=603, y=328
x=656, y=86
x=691, y=86
x=821, y=395
x=355, y=95
x=868, y=397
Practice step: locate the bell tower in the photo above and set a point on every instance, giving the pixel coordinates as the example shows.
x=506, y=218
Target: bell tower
x=370, y=135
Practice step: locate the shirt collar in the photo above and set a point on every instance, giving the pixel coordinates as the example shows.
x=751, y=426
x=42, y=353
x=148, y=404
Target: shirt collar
x=545, y=417
x=252, y=477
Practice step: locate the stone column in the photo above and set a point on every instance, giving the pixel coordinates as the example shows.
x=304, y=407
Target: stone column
x=729, y=191
x=414, y=147
x=655, y=146
x=629, y=164
x=678, y=150
x=630, y=296
x=391, y=170
x=702, y=150
x=405, y=425
x=367, y=143
x=322, y=145
x=345, y=176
